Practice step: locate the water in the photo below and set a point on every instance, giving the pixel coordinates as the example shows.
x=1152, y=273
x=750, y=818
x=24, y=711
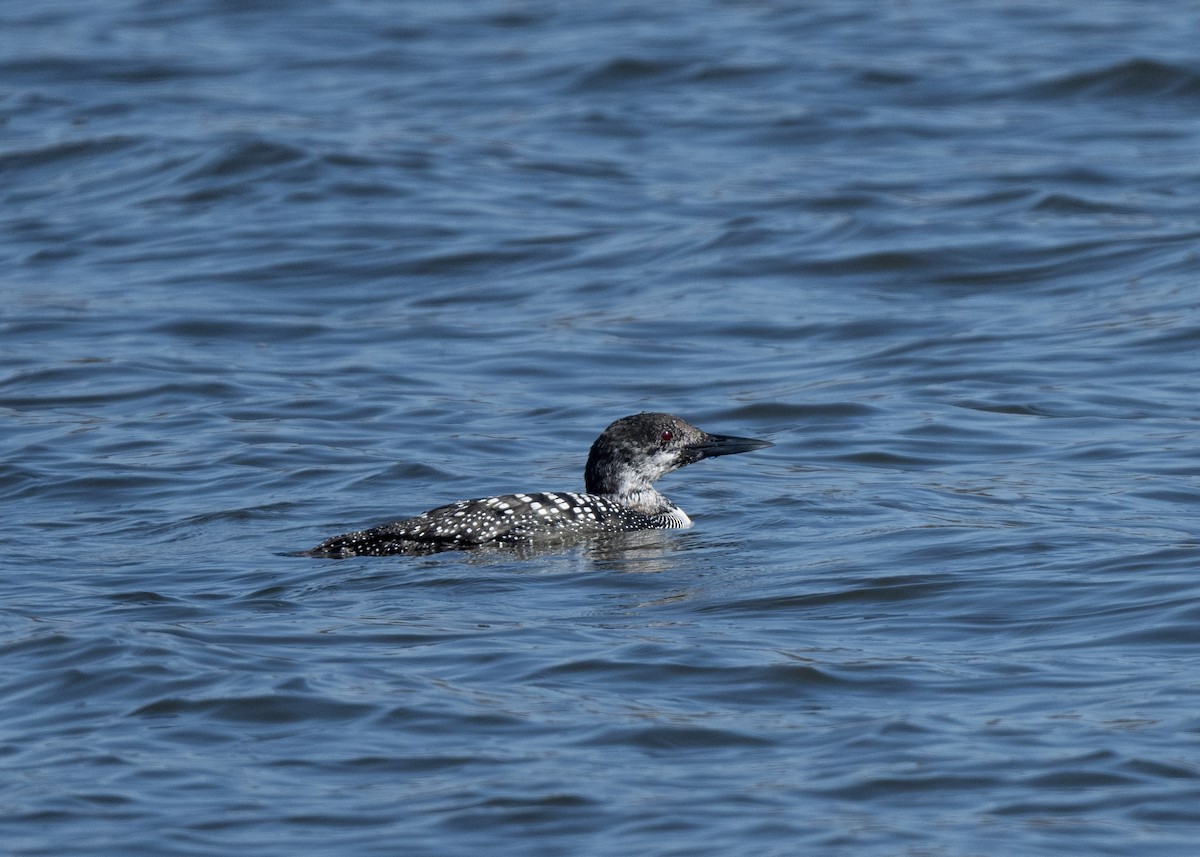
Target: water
x=276, y=271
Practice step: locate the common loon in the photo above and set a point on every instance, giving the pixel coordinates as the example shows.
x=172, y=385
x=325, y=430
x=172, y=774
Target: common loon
x=623, y=463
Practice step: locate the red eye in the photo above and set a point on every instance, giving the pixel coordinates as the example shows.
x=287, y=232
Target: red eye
x=666, y=436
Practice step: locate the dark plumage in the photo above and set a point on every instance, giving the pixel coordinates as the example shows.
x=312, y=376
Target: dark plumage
x=622, y=466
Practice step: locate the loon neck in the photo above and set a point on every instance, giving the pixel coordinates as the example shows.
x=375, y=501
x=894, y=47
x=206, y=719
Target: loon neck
x=646, y=501
x=642, y=498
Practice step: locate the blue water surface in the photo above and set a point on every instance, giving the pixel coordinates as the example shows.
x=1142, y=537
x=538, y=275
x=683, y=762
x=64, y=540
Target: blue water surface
x=274, y=271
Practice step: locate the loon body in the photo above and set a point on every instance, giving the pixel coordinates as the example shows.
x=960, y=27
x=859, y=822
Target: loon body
x=622, y=466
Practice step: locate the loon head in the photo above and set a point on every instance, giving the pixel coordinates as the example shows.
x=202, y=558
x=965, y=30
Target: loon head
x=635, y=451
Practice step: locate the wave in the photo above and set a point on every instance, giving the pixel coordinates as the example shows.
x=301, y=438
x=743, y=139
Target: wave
x=1132, y=78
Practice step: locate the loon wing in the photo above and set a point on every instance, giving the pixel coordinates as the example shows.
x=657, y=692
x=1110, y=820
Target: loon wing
x=506, y=519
